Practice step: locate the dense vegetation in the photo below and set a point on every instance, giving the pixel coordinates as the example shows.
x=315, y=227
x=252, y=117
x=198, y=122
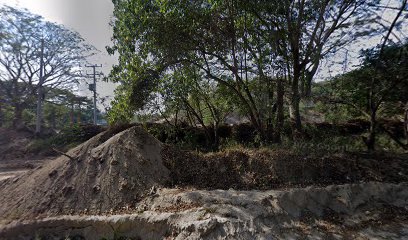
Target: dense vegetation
x=210, y=74
x=195, y=64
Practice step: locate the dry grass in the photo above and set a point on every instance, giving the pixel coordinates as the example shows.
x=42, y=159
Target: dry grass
x=267, y=169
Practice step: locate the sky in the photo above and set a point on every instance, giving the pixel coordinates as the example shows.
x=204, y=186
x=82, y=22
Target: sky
x=347, y=59
x=90, y=18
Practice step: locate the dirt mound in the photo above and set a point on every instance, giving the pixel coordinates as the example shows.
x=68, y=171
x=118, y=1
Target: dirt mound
x=353, y=211
x=105, y=173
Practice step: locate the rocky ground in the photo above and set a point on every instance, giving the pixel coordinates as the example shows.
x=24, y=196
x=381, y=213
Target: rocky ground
x=125, y=184
x=353, y=211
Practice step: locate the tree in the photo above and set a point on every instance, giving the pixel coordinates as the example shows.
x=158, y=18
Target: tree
x=380, y=81
x=12, y=60
x=36, y=56
x=211, y=36
x=237, y=45
x=307, y=31
x=187, y=91
x=63, y=107
x=174, y=19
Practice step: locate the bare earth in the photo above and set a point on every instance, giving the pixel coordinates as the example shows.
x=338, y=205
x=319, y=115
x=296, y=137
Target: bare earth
x=14, y=159
x=16, y=167
x=10, y=174
x=130, y=185
x=352, y=211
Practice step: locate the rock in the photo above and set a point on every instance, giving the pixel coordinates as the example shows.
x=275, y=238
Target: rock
x=235, y=215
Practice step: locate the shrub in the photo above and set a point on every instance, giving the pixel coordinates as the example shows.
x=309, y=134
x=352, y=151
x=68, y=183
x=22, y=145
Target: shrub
x=67, y=138
x=224, y=131
x=244, y=133
x=76, y=133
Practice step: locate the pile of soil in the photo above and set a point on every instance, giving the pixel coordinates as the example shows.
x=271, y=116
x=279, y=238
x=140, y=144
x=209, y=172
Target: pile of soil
x=108, y=172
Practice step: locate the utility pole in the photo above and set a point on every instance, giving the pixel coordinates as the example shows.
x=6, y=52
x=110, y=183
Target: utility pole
x=345, y=63
x=40, y=92
x=92, y=87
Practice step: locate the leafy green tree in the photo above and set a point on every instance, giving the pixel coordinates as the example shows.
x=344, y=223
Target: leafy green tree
x=198, y=98
x=234, y=44
x=380, y=82
x=307, y=31
x=62, y=107
x=12, y=60
x=166, y=34
x=36, y=56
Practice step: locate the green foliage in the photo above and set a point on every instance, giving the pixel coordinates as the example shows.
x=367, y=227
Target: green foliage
x=196, y=62
x=41, y=146
x=54, y=115
x=183, y=137
x=68, y=137
x=29, y=45
x=333, y=112
x=244, y=133
x=371, y=93
x=76, y=133
x=6, y=116
x=209, y=57
x=61, y=107
x=28, y=117
x=121, y=110
x=376, y=89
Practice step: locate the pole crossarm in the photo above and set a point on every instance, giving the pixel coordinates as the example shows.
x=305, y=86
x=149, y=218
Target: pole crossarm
x=94, y=74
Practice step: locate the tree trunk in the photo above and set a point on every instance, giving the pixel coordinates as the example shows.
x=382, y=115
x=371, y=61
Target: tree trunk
x=53, y=120
x=72, y=114
x=294, y=104
x=216, y=137
x=406, y=122
x=309, y=76
x=39, y=115
x=79, y=112
x=308, y=84
x=372, y=134
x=40, y=93
x=1, y=113
x=280, y=113
x=18, y=117
x=271, y=111
x=208, y=132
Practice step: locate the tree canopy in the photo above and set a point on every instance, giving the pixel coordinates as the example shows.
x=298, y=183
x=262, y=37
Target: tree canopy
x=210, y=58
x=36, y=56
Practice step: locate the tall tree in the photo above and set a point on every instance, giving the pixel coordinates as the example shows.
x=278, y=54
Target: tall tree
x=382, y=80
x=13, y=58
x=209, y=35
x=306, y=31
x=252, y=49
x=37, y=56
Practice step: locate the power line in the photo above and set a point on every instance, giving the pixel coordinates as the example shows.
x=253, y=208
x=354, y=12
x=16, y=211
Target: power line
x=92, y=87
